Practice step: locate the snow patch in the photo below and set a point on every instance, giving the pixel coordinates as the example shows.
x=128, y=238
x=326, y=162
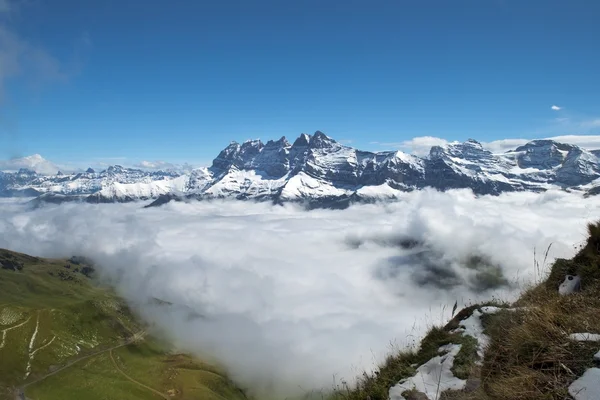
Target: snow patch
x=432, y=378
x=31, y=343
x=585, y=337
x=472, y=327
x=587, y=387
x=383, y=191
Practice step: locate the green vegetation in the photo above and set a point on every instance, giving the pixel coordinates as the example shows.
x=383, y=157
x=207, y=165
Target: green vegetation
x=404, y=364
x=530, y=355
x=62, y=336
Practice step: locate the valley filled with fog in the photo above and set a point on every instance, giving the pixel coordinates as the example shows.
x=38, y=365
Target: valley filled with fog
x=290, y=300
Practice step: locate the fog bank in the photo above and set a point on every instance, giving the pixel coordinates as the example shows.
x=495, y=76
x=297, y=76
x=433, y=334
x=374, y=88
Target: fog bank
x=288, y=299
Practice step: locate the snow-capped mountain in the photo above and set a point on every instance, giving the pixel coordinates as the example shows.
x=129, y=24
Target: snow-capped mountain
x=322, y=172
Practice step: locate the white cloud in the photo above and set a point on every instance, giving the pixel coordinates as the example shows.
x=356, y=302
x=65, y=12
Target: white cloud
x=34, y=162
x=556, y=108
x=503, y=145
x=588, y=142
x=154, y=165
x=290, y=298
x=419, y=145
x=165, y=165
x=20, y=58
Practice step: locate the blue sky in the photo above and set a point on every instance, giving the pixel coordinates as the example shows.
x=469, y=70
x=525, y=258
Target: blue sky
x=176, y=81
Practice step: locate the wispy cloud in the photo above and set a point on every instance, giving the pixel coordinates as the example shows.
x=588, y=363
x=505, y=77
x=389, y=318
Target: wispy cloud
x=163, y=165
x=421, y=146
x=556, y=108
x=418, y=146
x=31, y=62
x=591, y=123
x=5, y=6
x=153, y=164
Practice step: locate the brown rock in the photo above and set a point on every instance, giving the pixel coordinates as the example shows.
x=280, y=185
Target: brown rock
x=472, y=384
x=415, y=395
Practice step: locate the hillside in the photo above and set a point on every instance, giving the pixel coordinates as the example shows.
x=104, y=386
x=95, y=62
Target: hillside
x=62, y=336
x=543, y=346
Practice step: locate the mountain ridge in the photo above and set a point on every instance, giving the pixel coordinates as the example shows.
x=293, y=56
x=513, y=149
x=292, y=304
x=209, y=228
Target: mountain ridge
x=319, y=170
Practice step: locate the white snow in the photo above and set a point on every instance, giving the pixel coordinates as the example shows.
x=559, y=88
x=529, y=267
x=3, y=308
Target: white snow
x=597, y=356
x=472, y=327
x=587, y=387
x=250, y=183
x=145, y=190
x=304, y=186
x=585, y=337
x=31, y=342
x=432, y=378
x=383, y=191
x=415, y=162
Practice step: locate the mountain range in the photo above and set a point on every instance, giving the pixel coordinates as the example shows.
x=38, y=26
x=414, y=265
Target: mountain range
x=322, y=172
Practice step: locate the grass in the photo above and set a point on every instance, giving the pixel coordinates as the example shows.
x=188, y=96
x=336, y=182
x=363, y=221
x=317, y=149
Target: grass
x=403, y=364
x=530, y=356
x=178, y=376
x=73, y=317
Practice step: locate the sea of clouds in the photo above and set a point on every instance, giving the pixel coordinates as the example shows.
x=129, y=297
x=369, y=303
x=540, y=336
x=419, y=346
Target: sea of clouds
x=290, y=300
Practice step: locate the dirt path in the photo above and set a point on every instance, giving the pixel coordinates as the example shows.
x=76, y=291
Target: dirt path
x=20, y=392
x=164, y=396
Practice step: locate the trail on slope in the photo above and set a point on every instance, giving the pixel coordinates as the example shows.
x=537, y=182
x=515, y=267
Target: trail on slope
x=4, y=331
x=31, y=343
x=164, y=396
x=20, y=392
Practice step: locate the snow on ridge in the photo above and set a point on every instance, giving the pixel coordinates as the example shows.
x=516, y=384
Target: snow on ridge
x=585, y=337
x=319, y=167
x=432, y=378
x=303, y=186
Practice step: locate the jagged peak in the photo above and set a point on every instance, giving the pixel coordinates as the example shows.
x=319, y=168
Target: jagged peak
x=302, y=141
x=282, y=142
x=252, y=143
x=90, y=170
x=472, y=142
x=546, y=143
x=321, y=140
x=115, y=169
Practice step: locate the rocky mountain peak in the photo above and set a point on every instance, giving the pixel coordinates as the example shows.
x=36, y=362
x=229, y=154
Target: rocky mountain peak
x=321, y=141
x=543, y=154
x=470, y=150
x=281, y=143
x=317, y=167
x=26, y=171
x=302, y=141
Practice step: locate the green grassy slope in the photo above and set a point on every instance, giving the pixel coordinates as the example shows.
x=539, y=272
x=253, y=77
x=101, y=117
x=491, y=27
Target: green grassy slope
x=62, y=336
